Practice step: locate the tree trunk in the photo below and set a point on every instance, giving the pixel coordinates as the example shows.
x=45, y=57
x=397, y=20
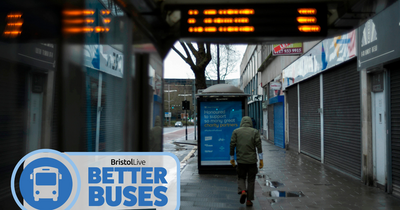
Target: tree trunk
x=203, y=58
x=200, y=80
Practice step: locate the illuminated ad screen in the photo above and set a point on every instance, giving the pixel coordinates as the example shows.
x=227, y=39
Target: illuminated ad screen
x=218, y=119
x=263, y=20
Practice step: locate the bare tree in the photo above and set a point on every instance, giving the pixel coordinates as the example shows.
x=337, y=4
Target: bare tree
x=203, y=57
x=229, y=57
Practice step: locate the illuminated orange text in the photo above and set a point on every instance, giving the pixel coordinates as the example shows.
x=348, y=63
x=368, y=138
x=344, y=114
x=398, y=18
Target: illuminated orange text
x=105, y=12
x=236, y=29
x=210, y=12
x=223, y=20
x=100, y=29
x=106, y=20
x=236, y=11
x=309, y=28
x=14, y=24
x=241, y=20
x=307, y=11
x=193, y=12
x=191, y=20
x=78, y=12
x=307, y=19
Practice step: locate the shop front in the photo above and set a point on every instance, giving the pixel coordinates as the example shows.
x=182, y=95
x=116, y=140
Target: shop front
x=323, y=103
x=378, y=63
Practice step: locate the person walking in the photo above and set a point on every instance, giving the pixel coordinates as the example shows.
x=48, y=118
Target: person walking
x=246, y=140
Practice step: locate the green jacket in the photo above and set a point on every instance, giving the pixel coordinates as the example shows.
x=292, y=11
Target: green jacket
x=246, y=139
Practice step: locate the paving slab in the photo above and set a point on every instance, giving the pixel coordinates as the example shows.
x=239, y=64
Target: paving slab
x=321, y=187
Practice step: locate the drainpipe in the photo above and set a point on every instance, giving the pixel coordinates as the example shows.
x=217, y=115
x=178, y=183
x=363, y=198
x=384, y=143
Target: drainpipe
x=321, y=112
x=388, y=133
x=99, y=108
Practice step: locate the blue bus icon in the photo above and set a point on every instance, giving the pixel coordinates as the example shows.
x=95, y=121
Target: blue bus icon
x=45, y=183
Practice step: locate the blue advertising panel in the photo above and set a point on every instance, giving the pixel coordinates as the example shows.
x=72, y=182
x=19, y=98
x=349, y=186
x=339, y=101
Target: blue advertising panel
x=218, y=119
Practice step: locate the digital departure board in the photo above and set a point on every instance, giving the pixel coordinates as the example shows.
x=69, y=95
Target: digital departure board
x=253, y=20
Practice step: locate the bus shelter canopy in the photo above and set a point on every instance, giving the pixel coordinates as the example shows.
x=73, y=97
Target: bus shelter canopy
x=222, y=90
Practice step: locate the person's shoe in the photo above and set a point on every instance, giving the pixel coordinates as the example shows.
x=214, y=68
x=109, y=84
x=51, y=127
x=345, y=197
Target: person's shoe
x=243, y=197
x=249, y=203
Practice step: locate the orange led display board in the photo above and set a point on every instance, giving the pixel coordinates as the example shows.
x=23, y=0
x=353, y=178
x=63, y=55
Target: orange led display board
x=253, y=20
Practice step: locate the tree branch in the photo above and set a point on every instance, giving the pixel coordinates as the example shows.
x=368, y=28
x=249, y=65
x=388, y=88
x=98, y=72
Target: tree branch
x=201, y=46
x=188, y=60
x=194, y=51
x=187, y=53
x=208, y=50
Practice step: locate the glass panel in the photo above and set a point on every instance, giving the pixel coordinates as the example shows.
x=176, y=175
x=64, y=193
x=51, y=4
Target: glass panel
x=68, y=81
x=103, y=70
x=156, y=108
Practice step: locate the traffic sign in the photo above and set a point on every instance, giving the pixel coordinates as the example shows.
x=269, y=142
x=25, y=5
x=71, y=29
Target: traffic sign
x=184, y=115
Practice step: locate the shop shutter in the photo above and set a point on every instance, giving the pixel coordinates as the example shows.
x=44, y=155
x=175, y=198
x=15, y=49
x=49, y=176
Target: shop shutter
x=342, y=123
x=292, y=100
x=112, y=113
x=279, y=125
x=395, y=128
x=310, y=123
x=13, y=121
x=271, y=122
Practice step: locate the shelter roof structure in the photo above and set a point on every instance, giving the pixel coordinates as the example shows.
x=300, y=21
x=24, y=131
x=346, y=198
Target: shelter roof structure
x=222, y=90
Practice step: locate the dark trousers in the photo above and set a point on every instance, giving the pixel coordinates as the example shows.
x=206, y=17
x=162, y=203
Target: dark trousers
x=249, y=171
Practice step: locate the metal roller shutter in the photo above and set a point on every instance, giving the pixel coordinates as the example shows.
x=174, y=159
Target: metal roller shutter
x=112, y=113
x=279, y=125
x=293, y=117
x=395, y=128
x=271, y=122
x=342, y=124
x=104, y=106
x=310, y=123
x=13, y=122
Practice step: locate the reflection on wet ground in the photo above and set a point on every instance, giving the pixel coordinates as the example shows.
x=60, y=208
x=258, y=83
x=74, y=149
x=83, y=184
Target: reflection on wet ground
x=179, y=147
x=173, y=134
x=323, y=184
x=260, y=176
x=273, y=184
x=278, y=193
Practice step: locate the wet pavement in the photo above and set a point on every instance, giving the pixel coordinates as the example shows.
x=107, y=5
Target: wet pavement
x=178, y=134
x=173, y=133
x=287, y=181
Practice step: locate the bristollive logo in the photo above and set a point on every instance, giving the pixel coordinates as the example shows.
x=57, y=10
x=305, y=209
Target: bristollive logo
x=88, y=180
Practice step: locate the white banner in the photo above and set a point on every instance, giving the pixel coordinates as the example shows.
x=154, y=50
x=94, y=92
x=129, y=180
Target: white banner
x=107, y=180
x=104, y=58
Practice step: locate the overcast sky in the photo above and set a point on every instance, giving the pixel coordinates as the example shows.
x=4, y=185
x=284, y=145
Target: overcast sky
x=176, y=68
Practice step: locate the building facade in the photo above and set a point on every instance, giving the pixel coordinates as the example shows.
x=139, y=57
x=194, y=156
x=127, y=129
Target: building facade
x=250, y=83
x=338, y=101
x=178, y=90
x=378, y=65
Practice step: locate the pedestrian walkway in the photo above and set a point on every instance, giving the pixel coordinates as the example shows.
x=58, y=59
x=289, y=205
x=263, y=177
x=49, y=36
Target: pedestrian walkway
x=179, y=134
x=287, y=181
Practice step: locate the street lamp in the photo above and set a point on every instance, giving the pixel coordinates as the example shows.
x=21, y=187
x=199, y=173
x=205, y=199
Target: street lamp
x=169, y=103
